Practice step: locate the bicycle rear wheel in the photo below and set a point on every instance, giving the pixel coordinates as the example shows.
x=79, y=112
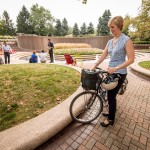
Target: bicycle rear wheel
x=86, y=107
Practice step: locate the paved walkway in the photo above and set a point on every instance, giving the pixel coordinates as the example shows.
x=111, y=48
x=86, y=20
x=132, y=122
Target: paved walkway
x=131, y=130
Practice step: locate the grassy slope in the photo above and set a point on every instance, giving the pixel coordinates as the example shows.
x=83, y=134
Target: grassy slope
x=29, y=90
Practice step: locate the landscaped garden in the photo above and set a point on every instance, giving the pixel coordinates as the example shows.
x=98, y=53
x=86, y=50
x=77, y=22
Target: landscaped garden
x=31, y=89
x=145, y=64
x=75, y=48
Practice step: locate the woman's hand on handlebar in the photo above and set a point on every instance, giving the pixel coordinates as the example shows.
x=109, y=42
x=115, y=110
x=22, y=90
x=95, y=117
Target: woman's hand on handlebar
x=111, y=70
x=93, y=67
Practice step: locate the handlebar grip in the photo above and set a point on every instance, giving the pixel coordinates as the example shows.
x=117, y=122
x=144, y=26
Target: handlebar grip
x=101, y=70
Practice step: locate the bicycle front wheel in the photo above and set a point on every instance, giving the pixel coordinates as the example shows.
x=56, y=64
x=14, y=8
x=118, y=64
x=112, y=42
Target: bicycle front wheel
x=86, y=107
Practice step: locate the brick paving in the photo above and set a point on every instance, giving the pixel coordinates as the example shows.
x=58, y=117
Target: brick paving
x=131, y=130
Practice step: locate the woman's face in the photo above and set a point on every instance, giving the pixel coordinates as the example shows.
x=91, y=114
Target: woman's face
x=114, y=29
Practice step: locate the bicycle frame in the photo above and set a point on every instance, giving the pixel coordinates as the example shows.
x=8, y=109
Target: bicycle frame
x=99, y=90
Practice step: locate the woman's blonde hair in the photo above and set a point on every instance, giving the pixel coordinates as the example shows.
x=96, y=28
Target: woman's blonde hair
x=118, y=21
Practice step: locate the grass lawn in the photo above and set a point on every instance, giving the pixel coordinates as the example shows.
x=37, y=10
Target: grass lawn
x=145, y=64
x=28, y=90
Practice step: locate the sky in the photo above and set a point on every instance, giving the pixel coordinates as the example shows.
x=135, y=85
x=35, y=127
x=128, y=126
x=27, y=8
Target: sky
x=73, y=10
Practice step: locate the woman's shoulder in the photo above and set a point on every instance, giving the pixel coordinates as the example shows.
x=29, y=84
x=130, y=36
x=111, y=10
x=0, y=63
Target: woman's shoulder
x=125, y=37
x=109, y=41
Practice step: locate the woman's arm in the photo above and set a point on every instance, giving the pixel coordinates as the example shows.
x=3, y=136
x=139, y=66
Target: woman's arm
x=101, y=59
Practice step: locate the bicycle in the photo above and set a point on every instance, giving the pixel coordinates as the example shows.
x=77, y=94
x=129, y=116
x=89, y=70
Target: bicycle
x=88, y=105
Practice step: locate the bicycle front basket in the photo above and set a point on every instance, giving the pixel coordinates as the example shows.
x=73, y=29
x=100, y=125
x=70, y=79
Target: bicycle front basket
x=89, y=79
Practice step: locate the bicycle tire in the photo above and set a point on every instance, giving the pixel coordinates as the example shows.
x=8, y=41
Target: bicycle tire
x=86, y=107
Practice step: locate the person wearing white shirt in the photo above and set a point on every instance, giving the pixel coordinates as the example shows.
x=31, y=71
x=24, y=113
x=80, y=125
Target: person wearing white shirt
x=43, y=57
x=6, y=49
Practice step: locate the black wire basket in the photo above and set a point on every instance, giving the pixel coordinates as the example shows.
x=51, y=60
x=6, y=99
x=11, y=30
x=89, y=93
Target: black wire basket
x=89, y=79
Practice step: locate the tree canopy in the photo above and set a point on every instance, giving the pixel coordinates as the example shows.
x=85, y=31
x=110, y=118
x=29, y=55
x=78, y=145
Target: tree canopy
x=75, y=31
x=23, y=22
x=64, y=27
x=40, y=19
x=58, y=31
x=141, y=23
x=7, y=27
x=102, y=27
x=83, y=30
x=90, y=28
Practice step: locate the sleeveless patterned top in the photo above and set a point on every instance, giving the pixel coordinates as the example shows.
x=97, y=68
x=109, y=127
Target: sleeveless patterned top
x=118, y=53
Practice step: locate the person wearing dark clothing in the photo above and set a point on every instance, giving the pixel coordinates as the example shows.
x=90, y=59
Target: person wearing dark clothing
x=50, y=48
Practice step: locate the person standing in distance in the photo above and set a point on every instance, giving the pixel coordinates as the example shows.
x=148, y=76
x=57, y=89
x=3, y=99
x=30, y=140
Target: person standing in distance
x=50, y=47
x=118, y=48
x=6, y=49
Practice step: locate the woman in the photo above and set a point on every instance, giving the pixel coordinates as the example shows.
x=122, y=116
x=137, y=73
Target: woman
x=118, y=48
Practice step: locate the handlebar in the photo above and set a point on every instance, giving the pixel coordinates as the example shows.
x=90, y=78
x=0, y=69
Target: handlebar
x=104, y=73
x=98, y=70
x=101, y=70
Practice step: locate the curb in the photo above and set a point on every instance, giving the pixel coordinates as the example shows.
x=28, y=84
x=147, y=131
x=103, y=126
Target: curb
x=38, y=130
x=135, y=67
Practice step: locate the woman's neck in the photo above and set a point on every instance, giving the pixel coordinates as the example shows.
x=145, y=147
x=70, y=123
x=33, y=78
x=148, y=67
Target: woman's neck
x=117, y=35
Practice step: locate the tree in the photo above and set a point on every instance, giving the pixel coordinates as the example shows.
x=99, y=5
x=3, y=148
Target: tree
x=8, y=28
x=58, y=28
x=75, y=31
x=83, y=30
x=141, y=23
x=41, y=20
x=51, y=30
x=90, y=28
x=23, y=22
x=64, y=27
x=2, y=28
x=102, y=28
x=99, y=25
x=127, y=25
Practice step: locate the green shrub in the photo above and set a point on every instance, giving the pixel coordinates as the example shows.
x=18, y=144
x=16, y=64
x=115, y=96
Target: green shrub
x=7, y=37
x=80, y=51
x=71, y=45
x=141, y=42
